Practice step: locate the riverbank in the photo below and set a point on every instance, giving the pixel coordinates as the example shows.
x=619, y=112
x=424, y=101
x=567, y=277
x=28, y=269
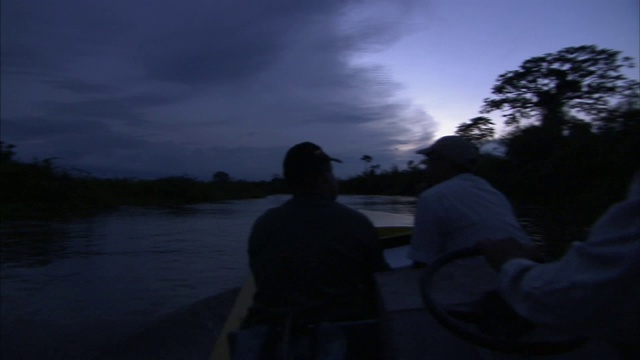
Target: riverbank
x=187, y=333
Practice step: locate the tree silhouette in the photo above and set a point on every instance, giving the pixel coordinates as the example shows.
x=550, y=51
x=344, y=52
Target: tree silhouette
x=369, y=169
x=221, y=177
x=555, y=87
x=366, y=158
x=477, y=130
x=6, y=152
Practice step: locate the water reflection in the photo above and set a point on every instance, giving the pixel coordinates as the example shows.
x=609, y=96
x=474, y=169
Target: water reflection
x=132, y=231
x=35, y=244
x=219, y=209
x=130, y=266
x=403, y=205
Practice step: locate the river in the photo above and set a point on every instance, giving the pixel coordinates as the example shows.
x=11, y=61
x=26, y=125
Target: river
x=70, y=288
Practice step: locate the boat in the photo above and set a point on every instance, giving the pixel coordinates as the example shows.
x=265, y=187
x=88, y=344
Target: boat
x=406, y=328
x=394, y=231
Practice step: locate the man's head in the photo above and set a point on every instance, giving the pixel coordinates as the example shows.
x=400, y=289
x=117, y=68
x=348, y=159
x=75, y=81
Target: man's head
x=450, y=156
x=307, y=170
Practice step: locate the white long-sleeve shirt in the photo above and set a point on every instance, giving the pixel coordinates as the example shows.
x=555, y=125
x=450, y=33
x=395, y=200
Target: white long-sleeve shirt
x=457, y=213
x=594, y=289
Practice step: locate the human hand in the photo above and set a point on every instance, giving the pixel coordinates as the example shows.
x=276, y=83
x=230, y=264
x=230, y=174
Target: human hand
x=499, y=251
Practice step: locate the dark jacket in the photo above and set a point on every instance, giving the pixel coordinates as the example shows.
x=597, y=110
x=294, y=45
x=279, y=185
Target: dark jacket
x=316, y=257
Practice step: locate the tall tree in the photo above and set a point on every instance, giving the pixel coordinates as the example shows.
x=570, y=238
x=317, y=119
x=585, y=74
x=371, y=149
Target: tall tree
x=221, y=177
x=366, y=158
x=369, y=169
x=555, y=87
x=477, y=130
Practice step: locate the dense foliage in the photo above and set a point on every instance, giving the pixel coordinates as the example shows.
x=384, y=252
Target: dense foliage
x=581, y=144
x=556, y=88
x=478, y=130
x=40, y=189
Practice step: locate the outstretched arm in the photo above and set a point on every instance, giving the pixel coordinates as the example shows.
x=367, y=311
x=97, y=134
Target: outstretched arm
x=499, y=251
x=593, y=290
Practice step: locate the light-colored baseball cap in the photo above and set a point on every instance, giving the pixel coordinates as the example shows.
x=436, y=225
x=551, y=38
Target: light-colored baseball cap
x=455, y=148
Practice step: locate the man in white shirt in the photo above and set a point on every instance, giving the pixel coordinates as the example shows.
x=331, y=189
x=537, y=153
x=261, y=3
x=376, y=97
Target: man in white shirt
x=460, y=208
x=593, y=290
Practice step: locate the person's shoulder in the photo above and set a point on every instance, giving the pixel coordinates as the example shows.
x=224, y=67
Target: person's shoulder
x=478, y=186
x=463, y=183
x=451, y=190
x=445, y=189
x=265, y=217
x=467, y=177
x=344, y=209
x=349, y=213
x=274, y=212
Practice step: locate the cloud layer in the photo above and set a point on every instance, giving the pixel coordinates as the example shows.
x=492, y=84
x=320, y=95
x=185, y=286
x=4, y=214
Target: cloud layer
x=158, y=88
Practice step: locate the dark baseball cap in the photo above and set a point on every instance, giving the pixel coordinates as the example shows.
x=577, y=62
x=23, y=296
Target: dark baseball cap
x=303, y=156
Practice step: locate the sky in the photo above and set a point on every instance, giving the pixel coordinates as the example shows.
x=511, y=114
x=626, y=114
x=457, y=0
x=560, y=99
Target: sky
x=154, y=88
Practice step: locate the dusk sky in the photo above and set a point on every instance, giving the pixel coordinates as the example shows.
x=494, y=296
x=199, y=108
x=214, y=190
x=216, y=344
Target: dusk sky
x=152, y=88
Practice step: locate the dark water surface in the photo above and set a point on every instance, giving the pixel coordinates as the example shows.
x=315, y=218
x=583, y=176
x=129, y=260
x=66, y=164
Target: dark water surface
x=68, y=289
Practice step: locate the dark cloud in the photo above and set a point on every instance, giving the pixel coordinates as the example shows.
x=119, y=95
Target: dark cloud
x=81, y=87
x=210, y=48
x=41, y=37
x=226, y=40
x=97, y=148
x=36, y=129
x=165, y=87
x=122, y=108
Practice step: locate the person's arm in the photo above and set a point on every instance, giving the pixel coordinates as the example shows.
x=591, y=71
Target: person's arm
x=499, y=251
x=593, y=290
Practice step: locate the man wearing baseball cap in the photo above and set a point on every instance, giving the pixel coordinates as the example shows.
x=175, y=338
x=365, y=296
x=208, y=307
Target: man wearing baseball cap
x=312, y=258
x=459, y=208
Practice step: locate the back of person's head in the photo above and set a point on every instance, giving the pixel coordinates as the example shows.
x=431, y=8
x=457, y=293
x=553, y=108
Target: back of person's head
x=306, y=166
x=458, y=150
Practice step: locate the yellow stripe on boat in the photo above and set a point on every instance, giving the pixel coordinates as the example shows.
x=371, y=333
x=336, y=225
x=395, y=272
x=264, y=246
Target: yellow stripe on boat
x=238, y=312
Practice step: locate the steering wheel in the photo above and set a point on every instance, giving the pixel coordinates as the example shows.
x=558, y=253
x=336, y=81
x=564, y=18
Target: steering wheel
x=490, y=322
